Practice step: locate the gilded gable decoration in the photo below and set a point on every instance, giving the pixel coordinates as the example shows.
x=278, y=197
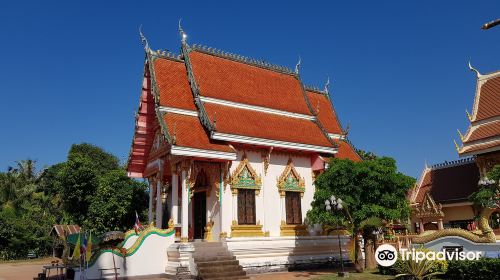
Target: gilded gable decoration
x=245, y=177
x=290, y=180
x=429, y=208
x=212, y=173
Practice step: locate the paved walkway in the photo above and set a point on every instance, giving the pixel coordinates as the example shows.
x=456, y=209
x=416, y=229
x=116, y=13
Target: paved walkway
x=28, y=270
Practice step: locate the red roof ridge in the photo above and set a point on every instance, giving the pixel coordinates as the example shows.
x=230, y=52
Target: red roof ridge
x=243, y=59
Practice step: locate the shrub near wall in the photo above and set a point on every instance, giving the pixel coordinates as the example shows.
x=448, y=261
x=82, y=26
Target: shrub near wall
x=483, y=269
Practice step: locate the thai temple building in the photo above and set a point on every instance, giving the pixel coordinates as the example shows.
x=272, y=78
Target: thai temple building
x=440, y=199
x=441, y=196
x=230, y=147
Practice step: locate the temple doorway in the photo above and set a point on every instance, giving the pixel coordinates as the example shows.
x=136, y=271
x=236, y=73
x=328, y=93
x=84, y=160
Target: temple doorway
x=430, y=226
x=199, y=214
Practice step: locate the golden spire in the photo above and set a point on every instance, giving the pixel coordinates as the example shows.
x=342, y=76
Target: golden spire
x=468, y=115
x=456, y=146
x=460, y=134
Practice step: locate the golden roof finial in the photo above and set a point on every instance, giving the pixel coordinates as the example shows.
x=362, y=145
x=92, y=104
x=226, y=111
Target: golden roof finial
x=460, y=134
x=456, y=146
x=468, y=115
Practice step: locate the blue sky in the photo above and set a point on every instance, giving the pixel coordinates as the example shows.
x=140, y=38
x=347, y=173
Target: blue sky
x=70, y=70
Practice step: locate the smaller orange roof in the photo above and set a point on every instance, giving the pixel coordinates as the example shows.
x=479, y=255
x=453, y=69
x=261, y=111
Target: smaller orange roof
x=188, y=132
x=347, y=151
x=262, y=125
x=173, y=84
x=326, y=113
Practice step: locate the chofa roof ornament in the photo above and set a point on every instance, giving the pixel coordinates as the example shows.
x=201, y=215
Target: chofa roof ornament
x=182, y=33
x=478, y=75
x=144, y=41
x=327, y=86
x=297, y=66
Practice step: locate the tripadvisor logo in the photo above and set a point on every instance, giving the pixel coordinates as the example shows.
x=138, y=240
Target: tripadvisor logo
x=386, y=255
x=450, y=255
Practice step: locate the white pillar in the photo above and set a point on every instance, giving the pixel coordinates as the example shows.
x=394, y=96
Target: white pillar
x=159, y=204
x=235, y=205
x=175, y=198
x=150, y=209
x=283, y=208
x=221, y=195
x=184, y=211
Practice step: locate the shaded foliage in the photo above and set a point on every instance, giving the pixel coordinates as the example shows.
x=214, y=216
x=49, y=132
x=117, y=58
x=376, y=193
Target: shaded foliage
x=90, y=189
x=488, y=195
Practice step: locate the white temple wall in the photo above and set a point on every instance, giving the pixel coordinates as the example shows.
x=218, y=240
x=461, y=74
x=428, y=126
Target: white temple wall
x=268, y=202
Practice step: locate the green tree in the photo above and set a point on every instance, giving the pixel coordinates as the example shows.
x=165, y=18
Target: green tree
x=101, y=161
x=79, y=183
x=371, y=189
x=115, y=202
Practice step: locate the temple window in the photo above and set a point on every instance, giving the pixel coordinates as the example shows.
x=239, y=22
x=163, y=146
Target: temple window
x=293, y=208
x=246, y=207
x=291, y=187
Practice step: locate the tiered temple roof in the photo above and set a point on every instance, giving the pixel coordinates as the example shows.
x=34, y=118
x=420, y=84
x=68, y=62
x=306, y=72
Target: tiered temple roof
x=483, y=134
x=204, y=100
x=448, y=182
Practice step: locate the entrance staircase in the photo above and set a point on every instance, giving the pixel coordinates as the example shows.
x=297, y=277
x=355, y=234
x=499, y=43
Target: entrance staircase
x=215, y=262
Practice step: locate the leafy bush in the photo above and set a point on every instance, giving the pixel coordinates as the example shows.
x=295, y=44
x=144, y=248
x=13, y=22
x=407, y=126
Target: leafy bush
x=482, y=269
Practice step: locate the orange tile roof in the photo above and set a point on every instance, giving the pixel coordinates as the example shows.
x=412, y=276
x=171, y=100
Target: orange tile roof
x=489, y=99
x=250, y=123
x=234, y=81
x=483, y=131
x=190, y=133
x=326, y=114
x=173, y=84
x=479, y=147
x=347, y=151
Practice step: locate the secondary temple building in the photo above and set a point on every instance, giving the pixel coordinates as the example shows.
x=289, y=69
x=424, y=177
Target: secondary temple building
x=230, y=145
x=440, y=197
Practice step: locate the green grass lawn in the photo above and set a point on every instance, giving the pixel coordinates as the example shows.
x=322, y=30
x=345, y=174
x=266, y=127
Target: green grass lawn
x=368, y=275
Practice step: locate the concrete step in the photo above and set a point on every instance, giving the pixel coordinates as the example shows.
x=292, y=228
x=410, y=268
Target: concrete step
x=218, y=263
x=219, y=268
x=227, y=278
x=223, y=274
x=213, y=258
x=207, y=244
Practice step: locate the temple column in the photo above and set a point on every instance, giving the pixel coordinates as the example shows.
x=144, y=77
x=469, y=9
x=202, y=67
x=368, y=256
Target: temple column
x=235, y=205
x=440, y=224
x=175, y=199
x=159, y=204
x=150, y=209
x=283, y=206
x=421, y=226
x=184, y=211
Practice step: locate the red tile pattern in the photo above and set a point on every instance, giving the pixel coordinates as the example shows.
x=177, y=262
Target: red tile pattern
x=243, y=83
x=189, y=132
x=264, y=125
x=347, y=151
x=326, y=114
x=489, y=99
x=484, y=131
x=173, y=84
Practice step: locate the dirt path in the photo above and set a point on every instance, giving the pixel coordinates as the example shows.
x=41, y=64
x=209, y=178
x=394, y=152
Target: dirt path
x=22, y=270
